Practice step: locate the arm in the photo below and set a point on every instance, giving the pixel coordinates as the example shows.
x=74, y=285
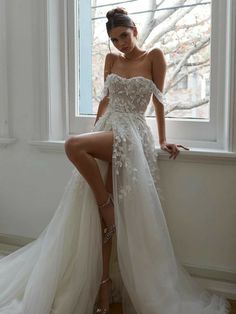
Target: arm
x=104, y=102
x=101, y=108
x=158, y=74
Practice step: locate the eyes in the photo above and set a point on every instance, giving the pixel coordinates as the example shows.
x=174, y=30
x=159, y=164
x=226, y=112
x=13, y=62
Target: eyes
x=122, y=36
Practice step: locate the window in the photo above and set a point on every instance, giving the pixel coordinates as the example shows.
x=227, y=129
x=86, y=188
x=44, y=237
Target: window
x=182, y=33
x=195, y=38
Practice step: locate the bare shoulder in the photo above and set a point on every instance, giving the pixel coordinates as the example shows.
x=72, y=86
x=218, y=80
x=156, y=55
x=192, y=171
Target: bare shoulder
x=109, y=61
x=157, y=57
x=111, y=57
x=158, y=65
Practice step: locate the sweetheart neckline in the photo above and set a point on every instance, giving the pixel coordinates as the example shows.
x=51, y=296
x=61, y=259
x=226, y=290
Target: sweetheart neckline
x=130, y=78
x=135, y=77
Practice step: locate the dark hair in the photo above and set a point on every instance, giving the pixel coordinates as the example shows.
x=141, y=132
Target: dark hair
x=118, y=17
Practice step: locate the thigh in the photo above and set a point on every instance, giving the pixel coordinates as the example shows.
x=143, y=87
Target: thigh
x=97, y=144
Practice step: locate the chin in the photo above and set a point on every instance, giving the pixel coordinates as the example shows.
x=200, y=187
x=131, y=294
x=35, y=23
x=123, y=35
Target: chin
x=125, y=50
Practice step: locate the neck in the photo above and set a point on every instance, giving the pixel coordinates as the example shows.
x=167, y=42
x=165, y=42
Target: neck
x=134, y=54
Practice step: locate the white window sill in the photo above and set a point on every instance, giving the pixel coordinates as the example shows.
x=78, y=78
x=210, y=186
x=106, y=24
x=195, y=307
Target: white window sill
x=5, y=141
x=49, y=146
x=202, y=155
x=193, y=155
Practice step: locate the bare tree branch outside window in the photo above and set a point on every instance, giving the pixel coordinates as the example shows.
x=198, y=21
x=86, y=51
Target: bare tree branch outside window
x=182, y=30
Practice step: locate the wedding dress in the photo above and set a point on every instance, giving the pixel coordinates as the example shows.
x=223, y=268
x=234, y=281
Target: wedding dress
x=60, y=271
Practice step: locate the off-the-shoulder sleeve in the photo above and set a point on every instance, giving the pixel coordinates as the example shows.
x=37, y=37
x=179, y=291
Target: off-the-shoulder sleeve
x=105, y=91
x=159, y=95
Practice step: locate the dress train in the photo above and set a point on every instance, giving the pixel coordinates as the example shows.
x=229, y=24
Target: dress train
x=60, y=272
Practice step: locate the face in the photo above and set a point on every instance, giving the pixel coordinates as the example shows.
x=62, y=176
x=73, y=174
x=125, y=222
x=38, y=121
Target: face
x=124, y=38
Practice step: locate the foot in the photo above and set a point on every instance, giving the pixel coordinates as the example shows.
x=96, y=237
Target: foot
x=102, y=306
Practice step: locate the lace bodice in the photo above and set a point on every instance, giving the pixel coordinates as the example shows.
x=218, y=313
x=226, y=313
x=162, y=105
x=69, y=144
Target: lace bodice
x=130, y=95
x=128, y=101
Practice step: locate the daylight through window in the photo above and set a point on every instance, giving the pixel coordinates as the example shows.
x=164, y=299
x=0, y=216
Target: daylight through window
x=182, y=32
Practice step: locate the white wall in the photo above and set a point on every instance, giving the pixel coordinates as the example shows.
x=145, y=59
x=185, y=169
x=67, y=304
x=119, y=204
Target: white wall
x=200, y=197
x=200, y=202
x=31, y=182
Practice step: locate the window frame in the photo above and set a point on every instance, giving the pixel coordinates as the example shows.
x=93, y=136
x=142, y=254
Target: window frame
x=216, y=134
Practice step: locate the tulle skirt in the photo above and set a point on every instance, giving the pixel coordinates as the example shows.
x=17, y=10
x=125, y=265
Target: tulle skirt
x=60, y=271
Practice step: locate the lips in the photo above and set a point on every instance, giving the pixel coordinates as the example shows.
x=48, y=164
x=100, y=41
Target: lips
x=124, y=49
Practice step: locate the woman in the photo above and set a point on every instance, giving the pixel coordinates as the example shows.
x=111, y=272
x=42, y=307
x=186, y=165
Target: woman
x=82, y=149
x=122, y=139
x=62, y=270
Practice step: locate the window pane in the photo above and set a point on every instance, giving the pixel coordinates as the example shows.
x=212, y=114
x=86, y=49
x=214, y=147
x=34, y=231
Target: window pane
x=182, y=32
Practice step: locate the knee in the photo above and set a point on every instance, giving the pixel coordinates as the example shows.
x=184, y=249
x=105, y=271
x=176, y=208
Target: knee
x=73, y=146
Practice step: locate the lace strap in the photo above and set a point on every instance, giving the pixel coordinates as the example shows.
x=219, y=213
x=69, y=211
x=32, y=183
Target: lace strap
x=159, y=95
x=105, y=91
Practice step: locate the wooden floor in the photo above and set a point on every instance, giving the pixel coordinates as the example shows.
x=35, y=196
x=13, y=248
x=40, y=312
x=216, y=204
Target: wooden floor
x=233, y=303
x=117, y=308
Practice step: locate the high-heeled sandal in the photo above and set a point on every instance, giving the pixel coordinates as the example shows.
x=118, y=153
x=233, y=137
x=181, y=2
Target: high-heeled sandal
x=109, y=230
x=98, y=309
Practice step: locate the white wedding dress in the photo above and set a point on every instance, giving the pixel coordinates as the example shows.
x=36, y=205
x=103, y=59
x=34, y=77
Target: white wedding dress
x=60, y=272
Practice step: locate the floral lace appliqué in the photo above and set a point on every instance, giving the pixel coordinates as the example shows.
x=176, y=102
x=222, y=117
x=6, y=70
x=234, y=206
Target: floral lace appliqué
x=128, y=101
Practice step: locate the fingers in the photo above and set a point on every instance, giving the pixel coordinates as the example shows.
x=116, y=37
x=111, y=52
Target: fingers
x=173, y=150
x=164, y=147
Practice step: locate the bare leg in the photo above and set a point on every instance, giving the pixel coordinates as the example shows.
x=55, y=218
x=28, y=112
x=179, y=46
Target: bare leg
x=82, y=151
x=108, y=246
x=106, y=253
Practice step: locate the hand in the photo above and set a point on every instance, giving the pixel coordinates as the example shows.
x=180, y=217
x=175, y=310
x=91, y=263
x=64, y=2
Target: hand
x=172, y=149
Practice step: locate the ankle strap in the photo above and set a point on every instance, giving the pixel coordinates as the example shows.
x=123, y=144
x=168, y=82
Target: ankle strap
x=104, y=281
x=106, y=203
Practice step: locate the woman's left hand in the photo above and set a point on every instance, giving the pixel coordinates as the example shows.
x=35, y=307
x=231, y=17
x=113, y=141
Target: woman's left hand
x=172, y=149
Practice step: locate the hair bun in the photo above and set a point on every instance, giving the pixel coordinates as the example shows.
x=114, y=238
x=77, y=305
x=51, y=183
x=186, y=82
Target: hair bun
x=113, y=12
